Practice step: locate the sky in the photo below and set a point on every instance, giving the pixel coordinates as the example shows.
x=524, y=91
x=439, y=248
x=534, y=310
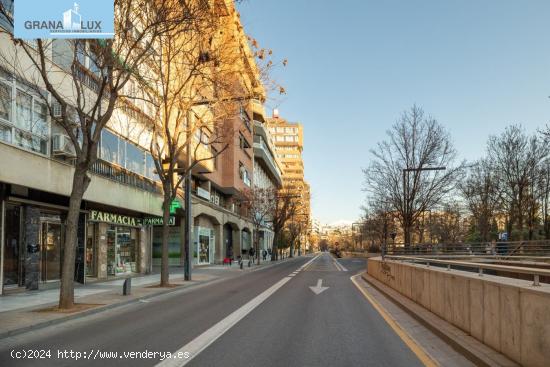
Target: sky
x=355, y=65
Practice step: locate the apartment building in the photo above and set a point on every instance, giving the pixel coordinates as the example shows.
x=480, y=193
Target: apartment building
x=221, y=225
x=118, y=228
x=289, y=144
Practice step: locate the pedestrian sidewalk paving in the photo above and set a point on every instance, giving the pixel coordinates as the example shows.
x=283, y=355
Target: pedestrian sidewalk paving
x=22, y=311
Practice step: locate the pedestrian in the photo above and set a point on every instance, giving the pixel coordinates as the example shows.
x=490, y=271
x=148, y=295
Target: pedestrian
x=251, y=253
x=264, y=254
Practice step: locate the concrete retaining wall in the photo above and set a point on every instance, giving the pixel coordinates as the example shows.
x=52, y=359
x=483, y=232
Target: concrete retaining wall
x=509, y=315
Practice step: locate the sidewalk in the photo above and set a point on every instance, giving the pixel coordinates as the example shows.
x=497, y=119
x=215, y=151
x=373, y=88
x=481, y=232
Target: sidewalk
x=20, y=312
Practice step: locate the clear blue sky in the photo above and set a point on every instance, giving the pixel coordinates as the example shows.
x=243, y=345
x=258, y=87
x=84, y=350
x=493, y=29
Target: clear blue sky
x=355, y=65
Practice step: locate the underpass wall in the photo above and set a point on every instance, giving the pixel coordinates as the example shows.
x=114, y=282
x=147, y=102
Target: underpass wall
x=510, y=315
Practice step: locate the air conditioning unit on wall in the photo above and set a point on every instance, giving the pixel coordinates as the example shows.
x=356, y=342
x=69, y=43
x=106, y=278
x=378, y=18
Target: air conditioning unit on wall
x=62, y=146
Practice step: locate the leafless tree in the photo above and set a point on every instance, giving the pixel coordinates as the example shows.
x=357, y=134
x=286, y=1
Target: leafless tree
x=415, y=142
x=446, y=225
x=481, y=191
x=194, y=82
x=260, y=206
x=518, y=159
x=84, y=79
x=285, y=207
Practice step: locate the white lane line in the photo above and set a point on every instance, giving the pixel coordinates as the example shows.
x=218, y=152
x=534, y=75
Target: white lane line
x=342, y=266
x=339, y=266
x=201, y=342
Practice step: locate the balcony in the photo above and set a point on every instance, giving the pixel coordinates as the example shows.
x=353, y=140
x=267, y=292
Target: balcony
x=123, y=176
x=263, y=152
x=258, y=110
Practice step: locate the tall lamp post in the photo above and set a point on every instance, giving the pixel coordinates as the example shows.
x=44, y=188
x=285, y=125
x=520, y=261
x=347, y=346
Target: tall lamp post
x=406, y=197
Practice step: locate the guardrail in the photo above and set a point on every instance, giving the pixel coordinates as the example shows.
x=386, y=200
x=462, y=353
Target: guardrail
x=512, y=249
x=480, y=266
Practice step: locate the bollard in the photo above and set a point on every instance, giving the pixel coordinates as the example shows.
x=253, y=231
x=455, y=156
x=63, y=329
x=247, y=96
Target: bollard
x=249, y=263
x=241, y=264
x=127, y=287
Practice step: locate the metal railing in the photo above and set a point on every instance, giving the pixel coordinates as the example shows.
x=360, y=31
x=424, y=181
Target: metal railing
x=480, y=266
x=121, y=175
x=503, y=250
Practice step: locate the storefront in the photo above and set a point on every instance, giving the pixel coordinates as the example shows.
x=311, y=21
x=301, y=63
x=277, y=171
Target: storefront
x=31, y=239
x=114, y=245
x=204, y=246
x=246, y=241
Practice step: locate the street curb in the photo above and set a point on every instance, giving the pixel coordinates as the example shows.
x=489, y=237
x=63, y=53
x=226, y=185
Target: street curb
x=112, y=306
x=474, y=350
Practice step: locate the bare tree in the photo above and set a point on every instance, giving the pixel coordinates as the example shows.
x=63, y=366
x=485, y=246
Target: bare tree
x=81, y=82
x=415, y=142
x=285, y=207
x=518, y=159
x=481, y=191
x=192, y=84
x=260, y=205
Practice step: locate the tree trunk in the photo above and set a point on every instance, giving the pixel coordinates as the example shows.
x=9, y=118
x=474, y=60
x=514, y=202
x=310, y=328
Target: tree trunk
x=407, y=233
x=274, y=248
x=164, y=265
x=257, y=247
x=66, y=290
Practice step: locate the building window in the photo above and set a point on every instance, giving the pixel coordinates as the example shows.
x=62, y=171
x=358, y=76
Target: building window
x=243, y=143
x=5, y=23
x=135, y=159
x=109, y=146
x=244, y=175
x=25, y=122
x=150, y=167
x=5, y=101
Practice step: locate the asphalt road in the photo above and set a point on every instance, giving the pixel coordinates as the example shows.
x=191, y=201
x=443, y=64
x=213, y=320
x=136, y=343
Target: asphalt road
x=270, y=317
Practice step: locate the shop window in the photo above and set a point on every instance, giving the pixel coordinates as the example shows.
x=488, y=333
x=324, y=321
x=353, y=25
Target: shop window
x=13, y=259
x=121, y=250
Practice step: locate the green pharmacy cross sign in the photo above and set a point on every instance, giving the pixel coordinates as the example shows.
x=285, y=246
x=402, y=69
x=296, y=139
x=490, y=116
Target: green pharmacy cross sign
x=174, y=205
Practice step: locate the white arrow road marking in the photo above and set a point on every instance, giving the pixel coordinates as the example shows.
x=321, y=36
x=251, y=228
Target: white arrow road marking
x=319, y=288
